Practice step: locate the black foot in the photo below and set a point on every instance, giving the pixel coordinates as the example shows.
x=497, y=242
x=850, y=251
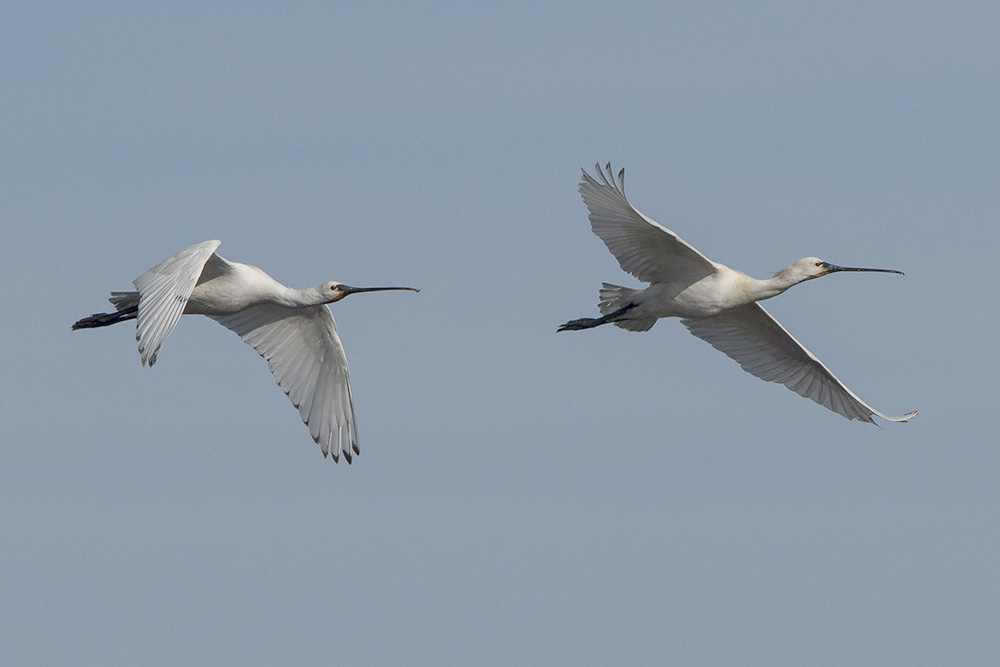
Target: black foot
x=582, y=323
x=591, y=322
x=106, y=319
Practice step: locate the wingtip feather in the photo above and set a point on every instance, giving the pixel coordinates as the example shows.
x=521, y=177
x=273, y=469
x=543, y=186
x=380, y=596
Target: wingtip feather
x=902, y=418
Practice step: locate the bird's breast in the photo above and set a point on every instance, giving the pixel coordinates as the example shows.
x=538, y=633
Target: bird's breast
x=707, y=297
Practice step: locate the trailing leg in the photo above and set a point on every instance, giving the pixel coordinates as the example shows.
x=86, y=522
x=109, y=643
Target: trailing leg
x=591, y=322
x=107, y=319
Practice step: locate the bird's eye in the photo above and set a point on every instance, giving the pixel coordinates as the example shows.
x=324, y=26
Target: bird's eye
x=333, y=288
x=819, y=263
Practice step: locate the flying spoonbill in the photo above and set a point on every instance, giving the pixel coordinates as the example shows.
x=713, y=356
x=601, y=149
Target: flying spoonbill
x=292, y=329
x=716, y=303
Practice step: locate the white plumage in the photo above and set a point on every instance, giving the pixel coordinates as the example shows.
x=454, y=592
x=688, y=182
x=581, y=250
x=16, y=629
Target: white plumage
x=716, y=303
x=292, y=329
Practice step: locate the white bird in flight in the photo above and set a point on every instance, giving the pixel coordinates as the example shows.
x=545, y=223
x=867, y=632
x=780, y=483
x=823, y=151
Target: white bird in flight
x=716, y=303
x=292, y=329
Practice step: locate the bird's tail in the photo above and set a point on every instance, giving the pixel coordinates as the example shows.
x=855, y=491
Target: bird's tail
x=126, y=308
x=616, y=306
x=123, y=300
x=619, y=300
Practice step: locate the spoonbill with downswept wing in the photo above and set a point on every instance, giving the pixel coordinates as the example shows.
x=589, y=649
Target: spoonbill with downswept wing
x=292, y=329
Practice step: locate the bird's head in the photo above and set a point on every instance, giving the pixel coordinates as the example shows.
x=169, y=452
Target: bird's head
x=334, y=291
x=808, y=268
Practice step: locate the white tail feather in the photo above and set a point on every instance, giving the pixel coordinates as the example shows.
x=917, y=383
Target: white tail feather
x=616, y=297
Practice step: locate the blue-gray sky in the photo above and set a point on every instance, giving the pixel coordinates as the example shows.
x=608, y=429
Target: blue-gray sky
x=521, y=497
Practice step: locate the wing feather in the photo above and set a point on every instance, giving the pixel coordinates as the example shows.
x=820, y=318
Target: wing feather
x=753, y=338
x=644, y=248
x=305, y=355
x=163, y=293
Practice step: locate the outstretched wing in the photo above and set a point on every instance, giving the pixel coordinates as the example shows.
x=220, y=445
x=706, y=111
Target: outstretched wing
x=644, y=248
x=163, y=293
x=758, y=342
x=305, y=355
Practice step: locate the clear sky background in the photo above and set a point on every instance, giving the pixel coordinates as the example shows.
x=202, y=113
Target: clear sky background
x=522, y=497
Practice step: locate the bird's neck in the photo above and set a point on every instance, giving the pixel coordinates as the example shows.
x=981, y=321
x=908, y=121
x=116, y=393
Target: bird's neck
x=765, y=289
x=302, y=298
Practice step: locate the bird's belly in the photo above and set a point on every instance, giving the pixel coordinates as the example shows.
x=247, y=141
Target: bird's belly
x=704, y=298
x=218, y=297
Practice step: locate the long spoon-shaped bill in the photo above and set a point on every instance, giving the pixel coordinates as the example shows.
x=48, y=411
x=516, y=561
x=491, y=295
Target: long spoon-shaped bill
x=347, y=289
x=833, y=268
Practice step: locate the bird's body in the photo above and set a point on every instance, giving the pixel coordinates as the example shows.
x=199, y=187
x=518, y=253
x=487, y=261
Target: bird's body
x=292, y=329
x=716, y=303
x=719, y=291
